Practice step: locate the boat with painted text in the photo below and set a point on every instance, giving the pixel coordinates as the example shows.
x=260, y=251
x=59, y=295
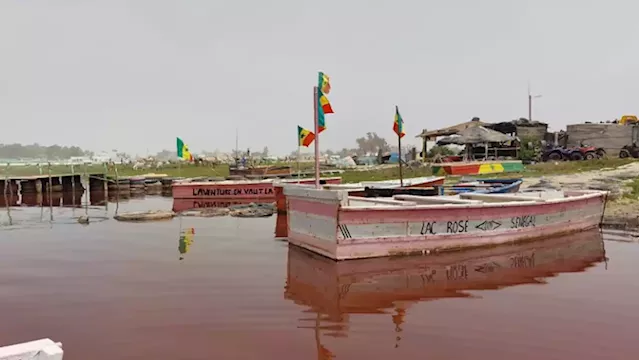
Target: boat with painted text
x=341, y=227
x=492, y=186
x=228, y=190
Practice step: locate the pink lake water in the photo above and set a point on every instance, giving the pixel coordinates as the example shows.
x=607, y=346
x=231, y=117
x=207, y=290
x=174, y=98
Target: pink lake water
x=113, y=290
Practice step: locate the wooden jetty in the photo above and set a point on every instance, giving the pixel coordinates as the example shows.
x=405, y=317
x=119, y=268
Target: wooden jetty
x=55, y=183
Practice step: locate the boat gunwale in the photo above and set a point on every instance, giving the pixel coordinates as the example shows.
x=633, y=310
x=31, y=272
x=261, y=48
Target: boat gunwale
x=250, y=182
x=566, y=199
x=340, y=196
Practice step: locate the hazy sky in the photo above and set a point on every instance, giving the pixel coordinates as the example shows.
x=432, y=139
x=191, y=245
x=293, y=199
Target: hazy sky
x=134, y=74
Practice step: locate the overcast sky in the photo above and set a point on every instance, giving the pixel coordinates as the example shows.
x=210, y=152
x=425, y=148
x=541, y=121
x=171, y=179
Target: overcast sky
x=134, y=74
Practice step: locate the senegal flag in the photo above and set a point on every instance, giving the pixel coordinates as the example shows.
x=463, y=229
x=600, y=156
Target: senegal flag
x=183, y=150
x=324, y=106
x=398, y=124
x=305, y=137
x=323, y=83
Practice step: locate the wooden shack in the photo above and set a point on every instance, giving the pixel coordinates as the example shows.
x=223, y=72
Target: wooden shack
x=611, y=137
x=522, y=128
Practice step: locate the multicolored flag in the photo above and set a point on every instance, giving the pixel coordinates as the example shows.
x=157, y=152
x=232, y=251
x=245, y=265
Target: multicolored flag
x=324, y=106
x=183, y=150
x=323, y=83
x=321, y=125
x=398, y=124
x=305, y=137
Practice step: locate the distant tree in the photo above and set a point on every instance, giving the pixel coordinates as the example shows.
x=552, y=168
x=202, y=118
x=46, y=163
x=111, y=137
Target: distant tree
x=165, y=155
x=122, y=155
x=36, y=151
x=440, y=150
x=371, y=144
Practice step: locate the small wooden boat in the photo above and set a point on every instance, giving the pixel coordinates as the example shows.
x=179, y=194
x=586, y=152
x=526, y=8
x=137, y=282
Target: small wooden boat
x=339, y=226
x=123, y=183
x=264, y=171
x=486, y=186
x=388, y=188
x=232, y=190
x=137, y=183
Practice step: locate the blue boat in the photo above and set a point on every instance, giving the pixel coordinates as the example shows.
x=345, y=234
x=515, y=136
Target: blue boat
x=487, y=186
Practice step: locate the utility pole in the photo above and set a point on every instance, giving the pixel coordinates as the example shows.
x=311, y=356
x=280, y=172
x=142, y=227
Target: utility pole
x=531, y=100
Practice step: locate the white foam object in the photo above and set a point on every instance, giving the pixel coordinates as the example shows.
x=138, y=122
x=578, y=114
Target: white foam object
x=43, y=349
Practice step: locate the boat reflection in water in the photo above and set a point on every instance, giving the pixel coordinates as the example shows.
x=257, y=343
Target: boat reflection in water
x=180, y=205
x=333, y=290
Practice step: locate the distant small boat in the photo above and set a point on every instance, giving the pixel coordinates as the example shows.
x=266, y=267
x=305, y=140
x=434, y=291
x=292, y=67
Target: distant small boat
x=341, y=227
x=487, y=186
x=260, y=171
x=416, y=186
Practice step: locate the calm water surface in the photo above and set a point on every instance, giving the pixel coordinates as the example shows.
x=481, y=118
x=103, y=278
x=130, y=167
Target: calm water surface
x=222, y=288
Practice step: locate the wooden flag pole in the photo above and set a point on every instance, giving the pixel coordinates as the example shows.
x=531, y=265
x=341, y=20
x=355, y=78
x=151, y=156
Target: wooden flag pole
x=298, y=161
x=316, y=131
x=400, y=157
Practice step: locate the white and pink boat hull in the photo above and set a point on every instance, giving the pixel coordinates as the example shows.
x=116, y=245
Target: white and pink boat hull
x=339, y=227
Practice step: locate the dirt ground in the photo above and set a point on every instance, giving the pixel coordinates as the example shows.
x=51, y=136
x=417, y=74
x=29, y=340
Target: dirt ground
x=621, y=211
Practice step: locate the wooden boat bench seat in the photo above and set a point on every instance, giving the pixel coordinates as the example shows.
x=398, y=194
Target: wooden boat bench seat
x=423, y=200
x=361, y=201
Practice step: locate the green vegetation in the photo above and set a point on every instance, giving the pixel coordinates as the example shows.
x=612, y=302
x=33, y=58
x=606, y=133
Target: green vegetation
x=573, y=167
x=384, y=174
x=36, y=151
x=348, y=176
x=632, y=190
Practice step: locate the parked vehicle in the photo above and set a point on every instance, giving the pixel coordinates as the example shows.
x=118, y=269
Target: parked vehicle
x=591, y=152
x=629, y=151
x=583, y=152
x=628, y=120
x=559, y=153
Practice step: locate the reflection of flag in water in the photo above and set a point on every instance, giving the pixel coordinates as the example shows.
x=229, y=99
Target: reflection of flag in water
x=186, y=239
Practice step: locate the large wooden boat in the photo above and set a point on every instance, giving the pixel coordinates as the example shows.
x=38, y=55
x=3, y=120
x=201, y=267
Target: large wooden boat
x=425, y=186
x=491, y=186
x=234, y=190
x=339, y=226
